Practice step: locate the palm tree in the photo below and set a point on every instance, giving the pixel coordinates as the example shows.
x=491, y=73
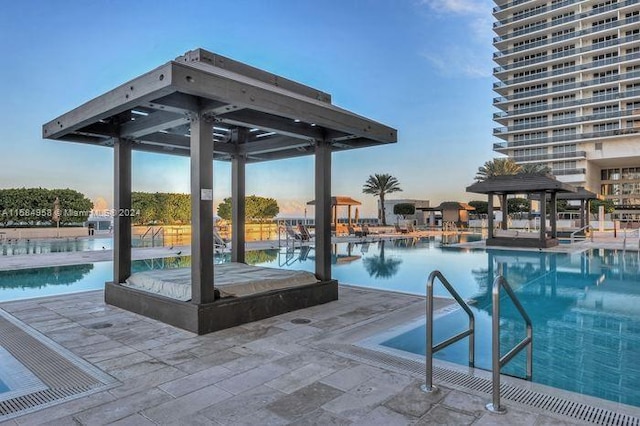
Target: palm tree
x=497, y=167
x=534, y=168
x=380, y=185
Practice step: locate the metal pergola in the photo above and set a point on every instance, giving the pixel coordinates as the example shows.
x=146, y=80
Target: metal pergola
x=210, y=107
x=523, y=183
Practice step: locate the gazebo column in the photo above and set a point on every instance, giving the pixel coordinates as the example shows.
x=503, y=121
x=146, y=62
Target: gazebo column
x=553, y=215
x=323, y=209
x=201, y=210
x=121, y=202
x=238, y=217
x=543, y=216
x=505, y=211
x=582, y=212
x=490, y=215
x=349, y=214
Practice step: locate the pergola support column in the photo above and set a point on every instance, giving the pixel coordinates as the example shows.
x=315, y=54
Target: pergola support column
x=121, y=203
x=238, y=198
x=553, y=215
x=543, y=216
x=323, y=209
x=505, y=211
x=201, y=210
x=490, y=215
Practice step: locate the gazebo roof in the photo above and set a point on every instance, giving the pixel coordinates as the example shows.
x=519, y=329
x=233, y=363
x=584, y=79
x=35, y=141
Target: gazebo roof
x=580, y=194
x=284, y=118
x=340, y=201
x=520, y=183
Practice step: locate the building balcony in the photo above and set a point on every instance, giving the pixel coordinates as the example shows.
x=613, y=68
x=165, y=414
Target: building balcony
x=504, y=56
x=577, y=16
x=570, y=120
x=501, y=101
x=528, y=31
x=576, y=137
x=564, y=172
x=546, y=157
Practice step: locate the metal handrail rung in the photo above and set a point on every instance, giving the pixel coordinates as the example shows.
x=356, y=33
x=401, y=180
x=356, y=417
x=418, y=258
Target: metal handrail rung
x=498, y=362
x=431, y=349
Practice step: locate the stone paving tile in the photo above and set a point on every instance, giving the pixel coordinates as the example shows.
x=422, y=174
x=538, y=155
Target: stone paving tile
x=252, y=378
x=146, y=381
x=192, y=420
x=122, y=408
x=348, y=378
x=65, y=409
x=123, y=361
x=263, y=418
x=186, y=405
x=299, y=378
x=104, y=351
x=321, y=417
x=311, y=355
x=250, y=359
x=133, y=420
x=208, y=361
x=413, y=402
x=201, y=379
x=304, y=401
x=243, y=405
x=137, y=369
x=440, y=415
x=364, y=398
x=512, y=417
x=467, y=402
x=382, y=416
x=550, y=421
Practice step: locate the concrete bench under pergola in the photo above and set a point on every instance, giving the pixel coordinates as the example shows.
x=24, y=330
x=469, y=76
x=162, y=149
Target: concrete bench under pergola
x=524, y=183
x=207, y=107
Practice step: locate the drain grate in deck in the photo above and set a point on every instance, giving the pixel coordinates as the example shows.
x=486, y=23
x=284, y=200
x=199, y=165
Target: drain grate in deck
x=64, y=375
x=549, y=403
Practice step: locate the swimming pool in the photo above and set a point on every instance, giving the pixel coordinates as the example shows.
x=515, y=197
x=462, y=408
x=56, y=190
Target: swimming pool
x=53, y=245
x=585, y=306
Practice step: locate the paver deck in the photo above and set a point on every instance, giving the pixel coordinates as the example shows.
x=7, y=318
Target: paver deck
x=271, y=372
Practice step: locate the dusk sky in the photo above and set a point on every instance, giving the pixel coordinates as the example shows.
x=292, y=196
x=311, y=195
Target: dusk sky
x=422, y=67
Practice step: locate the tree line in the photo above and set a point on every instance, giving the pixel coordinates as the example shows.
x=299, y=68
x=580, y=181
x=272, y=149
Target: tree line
x=37, y=207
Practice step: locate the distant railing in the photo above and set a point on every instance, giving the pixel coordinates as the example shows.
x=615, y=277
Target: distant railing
x=584, y=230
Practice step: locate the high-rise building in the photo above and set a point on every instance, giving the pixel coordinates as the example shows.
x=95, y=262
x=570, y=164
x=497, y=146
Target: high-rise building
x=569, y=90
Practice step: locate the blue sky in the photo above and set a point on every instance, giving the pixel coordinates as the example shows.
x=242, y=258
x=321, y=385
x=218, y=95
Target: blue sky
x=423, y=67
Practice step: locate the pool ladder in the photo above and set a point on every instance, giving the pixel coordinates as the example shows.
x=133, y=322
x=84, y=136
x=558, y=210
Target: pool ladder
x=497, y=362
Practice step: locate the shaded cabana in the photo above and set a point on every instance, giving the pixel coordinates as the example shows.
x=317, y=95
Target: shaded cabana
x=583, y=195
x=524, y=183
x=336, y=202
x=452, y=211
x=207, y=107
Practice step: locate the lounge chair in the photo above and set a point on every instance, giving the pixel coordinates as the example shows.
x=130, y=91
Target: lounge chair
x=304, y=233
x=291, y=233
x=219, y=244
x=401, y=230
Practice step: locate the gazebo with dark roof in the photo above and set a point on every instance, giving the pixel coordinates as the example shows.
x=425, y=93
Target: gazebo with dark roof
x=206, y=106
x=523, y=183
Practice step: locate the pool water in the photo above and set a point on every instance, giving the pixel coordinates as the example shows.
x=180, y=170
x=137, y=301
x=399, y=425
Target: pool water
x=585, y=310
x=585, y=306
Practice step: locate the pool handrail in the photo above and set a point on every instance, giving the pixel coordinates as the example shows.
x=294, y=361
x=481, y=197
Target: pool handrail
x=430, y=349
x=497, y=362
x=584, y=228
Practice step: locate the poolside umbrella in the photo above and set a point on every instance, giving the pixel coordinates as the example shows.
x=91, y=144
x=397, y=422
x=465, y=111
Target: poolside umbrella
x=55, y=216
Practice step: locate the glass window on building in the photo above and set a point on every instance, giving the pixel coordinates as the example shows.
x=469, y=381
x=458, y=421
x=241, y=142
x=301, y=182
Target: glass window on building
x=610, y=174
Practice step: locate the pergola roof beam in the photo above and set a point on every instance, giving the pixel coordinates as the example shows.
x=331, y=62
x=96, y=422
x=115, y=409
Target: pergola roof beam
x=271, y=123
x=152, y=123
